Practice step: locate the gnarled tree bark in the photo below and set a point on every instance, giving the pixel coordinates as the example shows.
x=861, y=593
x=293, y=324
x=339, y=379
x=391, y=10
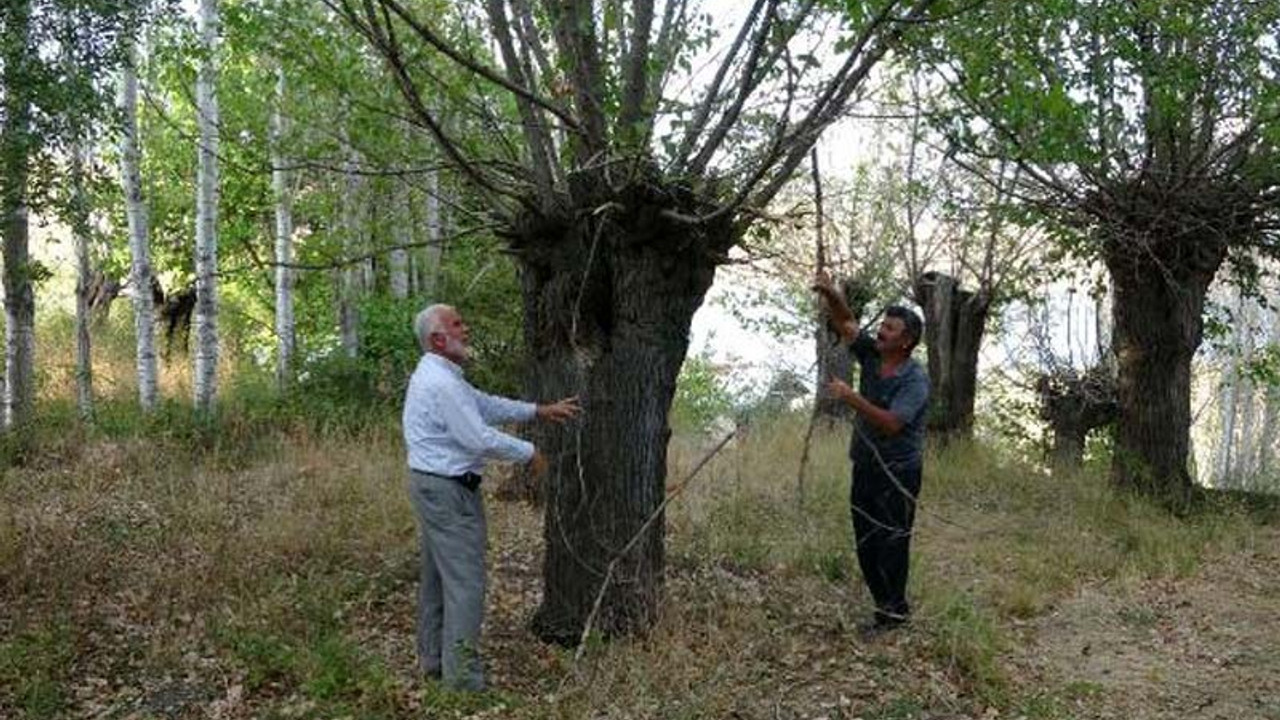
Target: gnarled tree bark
x=614, y=330
x=1161, y=263
x=954, y=322
x=1073, y=405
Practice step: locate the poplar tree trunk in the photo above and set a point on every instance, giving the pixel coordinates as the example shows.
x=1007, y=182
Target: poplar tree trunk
x=350, y=277
x=286, y=339
x=402, y=233
x=834, y=359
x=616, y=336
x=954, y=323
x=84, y=278
x=135, y=208
x=435, y=236
x=1270, y=408
x=15, y=149
x=1160, y=273
x=206, y=260
x=1228, y=401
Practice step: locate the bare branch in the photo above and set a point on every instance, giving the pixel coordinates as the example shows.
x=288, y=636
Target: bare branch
x=529, y=38
x=574, y=30
x=369, y=25
x=703, y=113
x=673, y=19
x=746, y=84
x=634, y=69
x=259, y=264
x=880, y=34
x=424, y=32
x=535, y=135
x=752, y=77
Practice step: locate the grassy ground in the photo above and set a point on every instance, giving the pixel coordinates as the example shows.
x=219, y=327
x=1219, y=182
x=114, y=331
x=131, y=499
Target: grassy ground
x=235, y=572
x=264, y=567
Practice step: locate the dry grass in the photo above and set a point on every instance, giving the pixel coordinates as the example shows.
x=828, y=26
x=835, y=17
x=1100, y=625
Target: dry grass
x=241, y=571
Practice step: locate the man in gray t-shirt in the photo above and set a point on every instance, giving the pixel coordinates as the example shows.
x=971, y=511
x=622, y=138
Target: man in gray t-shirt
x=887, y=447
x=903, y=391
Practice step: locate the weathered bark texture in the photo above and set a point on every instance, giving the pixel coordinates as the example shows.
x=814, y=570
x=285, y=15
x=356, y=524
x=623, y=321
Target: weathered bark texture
x=84, y=277
x=1074, y=404
x=16, y=143
x=1161, y=258
x=285, y=327
x=135, y=207
x=834, y=359
x=608, y=302
x=206, y=262
x=954, y=322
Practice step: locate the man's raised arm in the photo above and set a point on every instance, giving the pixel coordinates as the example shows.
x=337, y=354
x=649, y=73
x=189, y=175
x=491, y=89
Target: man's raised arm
x=843, y=321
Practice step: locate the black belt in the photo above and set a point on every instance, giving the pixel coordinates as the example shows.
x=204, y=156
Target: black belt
x=470, y=480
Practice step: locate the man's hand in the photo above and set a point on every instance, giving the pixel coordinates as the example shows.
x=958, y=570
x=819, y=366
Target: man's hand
x=822, y=282
x=840, y=390
x=884, y=421
x=841, y=318
x=560, y=411
x=537, y=464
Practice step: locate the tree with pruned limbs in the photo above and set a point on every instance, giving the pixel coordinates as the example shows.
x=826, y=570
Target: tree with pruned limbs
x=1149, y=131
x=619, y=197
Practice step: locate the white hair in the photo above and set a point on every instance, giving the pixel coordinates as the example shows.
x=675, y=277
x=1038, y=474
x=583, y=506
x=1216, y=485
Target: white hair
x=429, y=320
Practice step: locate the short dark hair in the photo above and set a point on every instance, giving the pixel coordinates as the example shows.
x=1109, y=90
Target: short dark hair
x=911, y=322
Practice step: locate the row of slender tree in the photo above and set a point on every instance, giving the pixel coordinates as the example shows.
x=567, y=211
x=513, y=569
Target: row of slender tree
x=123, y=137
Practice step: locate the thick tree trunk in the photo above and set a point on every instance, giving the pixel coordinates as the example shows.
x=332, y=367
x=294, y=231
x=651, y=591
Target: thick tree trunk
x=206, y=261
x=15, y=149
x=286, y=338
x=135, y=207
x=1068, y=446
x=954, y=322
x=101, y=292
x=618, y=342
x=1158, y=313
x=834, y=361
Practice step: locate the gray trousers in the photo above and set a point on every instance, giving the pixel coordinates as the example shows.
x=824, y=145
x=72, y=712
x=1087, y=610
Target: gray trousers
x=451, y=544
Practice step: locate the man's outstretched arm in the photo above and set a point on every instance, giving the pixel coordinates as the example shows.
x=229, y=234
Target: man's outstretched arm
x=843, y=321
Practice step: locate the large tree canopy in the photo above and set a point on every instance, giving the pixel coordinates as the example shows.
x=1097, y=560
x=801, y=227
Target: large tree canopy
x=621, y=198
x=1150, y=130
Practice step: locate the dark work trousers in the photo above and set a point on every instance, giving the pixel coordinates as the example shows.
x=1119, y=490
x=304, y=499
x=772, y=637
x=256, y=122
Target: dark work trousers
x=883, y=511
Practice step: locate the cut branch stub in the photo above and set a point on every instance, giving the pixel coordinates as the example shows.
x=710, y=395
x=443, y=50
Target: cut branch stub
x=954, y=323
x=1074, y=404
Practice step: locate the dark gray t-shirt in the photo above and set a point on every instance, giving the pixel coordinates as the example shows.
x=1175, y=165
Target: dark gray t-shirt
x=905, y=394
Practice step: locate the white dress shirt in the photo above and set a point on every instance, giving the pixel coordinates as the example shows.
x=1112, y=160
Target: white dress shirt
x=446, y=421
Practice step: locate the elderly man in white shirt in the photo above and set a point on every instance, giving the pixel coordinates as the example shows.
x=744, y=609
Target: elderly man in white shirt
x=448, y=436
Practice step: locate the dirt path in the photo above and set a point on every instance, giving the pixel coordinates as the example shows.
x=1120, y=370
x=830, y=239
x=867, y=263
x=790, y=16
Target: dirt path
x=1202, y=647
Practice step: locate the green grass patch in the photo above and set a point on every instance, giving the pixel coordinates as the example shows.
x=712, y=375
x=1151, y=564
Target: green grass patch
x=966, y=638
x=293, y=637
x=34, y=666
